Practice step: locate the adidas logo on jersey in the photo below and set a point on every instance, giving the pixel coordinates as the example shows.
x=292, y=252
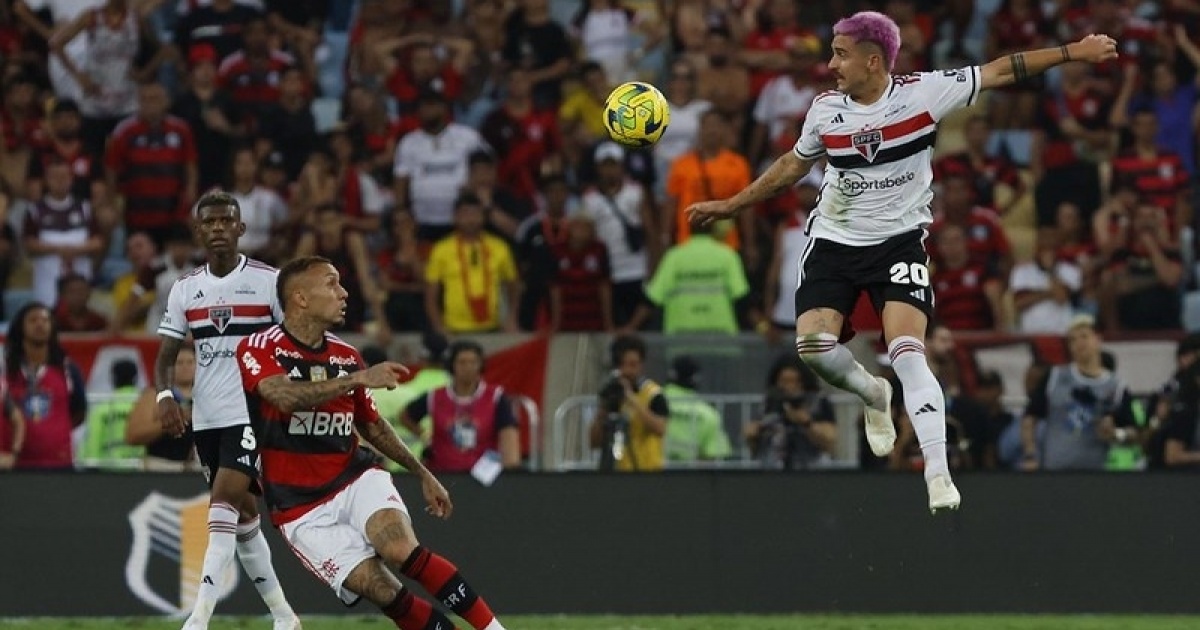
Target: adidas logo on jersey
x=199, y=295
x=837, y=120
x=295, y=374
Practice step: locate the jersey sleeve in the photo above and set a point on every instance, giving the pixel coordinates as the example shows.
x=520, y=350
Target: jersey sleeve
x=276, y=307
x=946, y=91
x=174, y=320
x=365, y=409
x=257, y=362
x=810, y=146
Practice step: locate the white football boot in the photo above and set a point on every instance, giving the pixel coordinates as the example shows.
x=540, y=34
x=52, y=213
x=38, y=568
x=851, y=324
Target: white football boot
x=881, y=432
x=943, y=496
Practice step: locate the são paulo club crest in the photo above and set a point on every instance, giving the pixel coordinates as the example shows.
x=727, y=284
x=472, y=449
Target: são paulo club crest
x=867, y=143
x=220, y=316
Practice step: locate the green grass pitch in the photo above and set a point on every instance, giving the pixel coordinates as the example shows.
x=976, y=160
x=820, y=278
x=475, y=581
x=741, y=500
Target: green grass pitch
x=794, y=622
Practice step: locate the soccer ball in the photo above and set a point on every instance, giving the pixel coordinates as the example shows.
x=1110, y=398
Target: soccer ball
x=636, y=114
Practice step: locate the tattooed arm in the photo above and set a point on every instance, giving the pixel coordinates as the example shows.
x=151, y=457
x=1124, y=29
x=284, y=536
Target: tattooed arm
x=164, y=363
x=287, y=395
x=381, y=435
x=1019, y=66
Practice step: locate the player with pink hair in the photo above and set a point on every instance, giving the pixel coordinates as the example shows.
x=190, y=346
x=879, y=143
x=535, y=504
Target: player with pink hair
x=876, y=134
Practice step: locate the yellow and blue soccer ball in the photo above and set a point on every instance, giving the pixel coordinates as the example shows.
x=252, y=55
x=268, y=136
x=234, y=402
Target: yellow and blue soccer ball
x=636, y=114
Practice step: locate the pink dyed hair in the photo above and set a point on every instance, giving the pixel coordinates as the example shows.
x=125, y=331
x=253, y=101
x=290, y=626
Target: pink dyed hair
x=873, y=27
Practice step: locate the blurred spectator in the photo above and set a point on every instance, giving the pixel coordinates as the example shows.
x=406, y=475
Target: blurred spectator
x=985, y=172
x=1172, y=101
x=117, y=35
x=1045, y=289
x=1174, y=439
x=1084, y=406
x=371, y=130
x=1072, y=136
x=1073, y=237
x=332, y=238
x=401, y=274
x=288, y=124
x=582, y=113
x=620, y=210
x=941, y=352
x=631, y=419
x=683, y=133
x=211, y=114
x=524, y=135
x=698, y=284
x=263, y=211
x=969, y=295
x=218, y=23
x=783, y=104
x=431, y=166
x=71, y=311
x=504, y=211
x=155, y=285
x=987, y=244
x=10, y=253
x=21, y=117
x=537, y=44
x=798, y=429
x=104, y=445
x=470, y=416
x=299, y=22
x=1136, y=38
x=1158, y=175
x=607, y=31
x=536, y=239
x=724, y=82
x=985, y=437
x=133, y=292
x=47, y=387
x=713, y=171
x=411, y=66
x=467, y=273
x=769, y=48
x=1139, y=289
x=1017, y=26
x=60, y=234
x=12, y=428
x=695, y=431
x=64, y=143
x=783, y=272
x=62, y=13
x=253, y=74
x=581, y=291
x=916, y=32
x=152, y=161
x=164, y=453
x=360, y=198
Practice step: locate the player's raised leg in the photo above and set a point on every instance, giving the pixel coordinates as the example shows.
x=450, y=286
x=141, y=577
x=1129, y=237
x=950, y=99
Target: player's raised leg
x=817, y=333
x=904, y=329
x=392, y=536
x=255, y=556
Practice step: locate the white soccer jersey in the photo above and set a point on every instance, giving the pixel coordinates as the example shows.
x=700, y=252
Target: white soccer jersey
x=878, y=176
x=220, y=312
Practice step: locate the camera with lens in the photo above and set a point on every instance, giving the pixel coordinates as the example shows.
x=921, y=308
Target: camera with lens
x=612, y=395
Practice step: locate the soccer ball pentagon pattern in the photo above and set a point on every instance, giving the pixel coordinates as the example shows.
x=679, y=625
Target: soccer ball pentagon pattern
x=636, y=114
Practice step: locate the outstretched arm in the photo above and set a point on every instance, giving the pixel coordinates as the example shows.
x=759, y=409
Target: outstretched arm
x=287, y=395
x=784, y=172
x=1022, y=65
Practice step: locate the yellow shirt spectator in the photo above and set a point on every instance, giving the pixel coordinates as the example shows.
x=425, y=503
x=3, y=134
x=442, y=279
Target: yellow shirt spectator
x=471, y=273
x=645, y=446
x=582, y=108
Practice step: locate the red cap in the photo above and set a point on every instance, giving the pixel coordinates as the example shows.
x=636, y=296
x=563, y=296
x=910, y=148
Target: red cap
x=201, y=53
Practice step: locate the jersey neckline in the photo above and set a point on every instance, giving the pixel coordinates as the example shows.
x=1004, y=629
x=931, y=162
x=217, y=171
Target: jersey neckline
x=242, y=261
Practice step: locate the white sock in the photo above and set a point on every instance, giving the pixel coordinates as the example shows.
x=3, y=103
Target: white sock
x=222, y=538
x=834, y=363
x=495, y=625
x=255, y=556
x=923, y=400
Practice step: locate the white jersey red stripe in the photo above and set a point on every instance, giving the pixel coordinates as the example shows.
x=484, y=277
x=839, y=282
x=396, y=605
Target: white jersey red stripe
x=878, y=172
x=218, y=312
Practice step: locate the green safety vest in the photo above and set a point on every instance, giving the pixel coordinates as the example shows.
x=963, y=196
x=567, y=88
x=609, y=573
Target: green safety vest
x=1127, y=457
x=104, y=436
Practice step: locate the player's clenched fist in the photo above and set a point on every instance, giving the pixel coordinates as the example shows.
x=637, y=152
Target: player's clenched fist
x=1094, y=49
x=386, y=374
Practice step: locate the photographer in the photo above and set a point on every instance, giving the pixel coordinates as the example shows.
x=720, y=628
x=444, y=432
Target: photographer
x=798, y=429
x=631, y=419
x=1085, y=408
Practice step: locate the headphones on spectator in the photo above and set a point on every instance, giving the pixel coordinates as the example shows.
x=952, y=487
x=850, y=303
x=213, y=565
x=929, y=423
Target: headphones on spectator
x=457, y=348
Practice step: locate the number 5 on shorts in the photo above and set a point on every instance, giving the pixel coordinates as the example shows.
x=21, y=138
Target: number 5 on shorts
x=910, y=273
x=248, y=441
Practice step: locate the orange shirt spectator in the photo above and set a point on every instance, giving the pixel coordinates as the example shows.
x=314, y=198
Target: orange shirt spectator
x=712, y=172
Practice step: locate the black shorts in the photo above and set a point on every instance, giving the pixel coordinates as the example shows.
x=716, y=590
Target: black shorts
x=233, y=447
x=897, y=270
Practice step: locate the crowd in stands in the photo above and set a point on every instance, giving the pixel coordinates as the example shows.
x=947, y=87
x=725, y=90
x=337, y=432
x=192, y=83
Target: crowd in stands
x=450, y=157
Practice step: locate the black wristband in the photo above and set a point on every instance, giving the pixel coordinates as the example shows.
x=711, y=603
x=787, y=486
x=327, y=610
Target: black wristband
x=1066, y=53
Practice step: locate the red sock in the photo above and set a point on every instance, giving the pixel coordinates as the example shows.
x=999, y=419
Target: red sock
x=441, y=578
x=411, y=613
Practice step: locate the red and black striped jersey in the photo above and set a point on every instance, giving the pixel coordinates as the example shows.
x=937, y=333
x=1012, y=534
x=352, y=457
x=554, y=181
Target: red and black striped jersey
x=151, y=164
x=307, y=455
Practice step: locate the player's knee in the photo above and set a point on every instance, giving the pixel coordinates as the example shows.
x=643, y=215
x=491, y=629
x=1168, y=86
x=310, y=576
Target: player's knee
x=814, y=347
x=398, y=551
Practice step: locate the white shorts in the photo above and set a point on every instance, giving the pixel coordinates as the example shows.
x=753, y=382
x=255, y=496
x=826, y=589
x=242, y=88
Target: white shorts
x=331, y=539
